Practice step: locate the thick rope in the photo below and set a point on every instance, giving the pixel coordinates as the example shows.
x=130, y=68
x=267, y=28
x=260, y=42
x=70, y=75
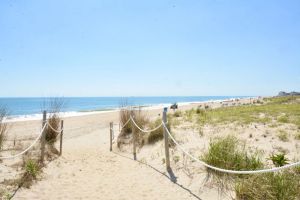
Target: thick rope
x=226, y=170
x=28, y=148
x=145, y=131
x=125, y=124
x=53, y=129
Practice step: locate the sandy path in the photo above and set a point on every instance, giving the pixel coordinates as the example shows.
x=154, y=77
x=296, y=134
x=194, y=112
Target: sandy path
x=87, y=170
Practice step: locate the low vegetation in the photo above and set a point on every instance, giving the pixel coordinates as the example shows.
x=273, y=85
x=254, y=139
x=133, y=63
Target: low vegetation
x=228, y=153
x=3, y=126
x=279, y=159
x=282, y=109
x=272, y=186
x=140, y=119
x=231, y=153
x=283, y=136
x=158, y=134
x=32, y=170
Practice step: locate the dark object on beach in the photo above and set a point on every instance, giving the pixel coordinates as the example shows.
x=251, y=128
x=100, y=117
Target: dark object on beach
x=174, y=106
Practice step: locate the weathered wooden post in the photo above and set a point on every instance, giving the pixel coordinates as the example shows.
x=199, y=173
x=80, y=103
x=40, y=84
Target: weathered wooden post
x=111, y=125
x=43, y=138
x=61, y=136
x=134, y=139
x=166, y=138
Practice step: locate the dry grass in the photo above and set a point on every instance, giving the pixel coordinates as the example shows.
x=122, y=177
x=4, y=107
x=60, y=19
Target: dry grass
x=3, y=126
x=283, y=136
x=54, y=107
x=141, y=120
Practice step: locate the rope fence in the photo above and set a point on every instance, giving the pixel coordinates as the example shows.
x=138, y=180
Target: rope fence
x=41, y=136
x=167, y=134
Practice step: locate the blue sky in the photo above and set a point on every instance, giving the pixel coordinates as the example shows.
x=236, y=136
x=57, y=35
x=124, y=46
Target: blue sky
x=148, y=48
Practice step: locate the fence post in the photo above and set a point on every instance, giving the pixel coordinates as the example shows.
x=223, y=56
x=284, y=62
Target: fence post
x=134, y=139
x=43, y=138
x=166, y=138
x=61, y=136
x=111, y=135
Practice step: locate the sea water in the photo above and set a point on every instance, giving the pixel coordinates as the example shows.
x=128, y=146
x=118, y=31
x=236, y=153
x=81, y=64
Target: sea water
x=20, y=107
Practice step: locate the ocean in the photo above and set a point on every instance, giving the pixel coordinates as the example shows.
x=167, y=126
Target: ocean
x=18, y=107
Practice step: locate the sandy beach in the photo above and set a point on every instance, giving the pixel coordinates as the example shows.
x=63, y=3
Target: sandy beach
x=88, y=170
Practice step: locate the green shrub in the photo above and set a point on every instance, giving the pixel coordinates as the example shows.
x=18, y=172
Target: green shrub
x=158, y=134
x=283, y=119
x=229, y=153
x=279, y=160
x=269, y=186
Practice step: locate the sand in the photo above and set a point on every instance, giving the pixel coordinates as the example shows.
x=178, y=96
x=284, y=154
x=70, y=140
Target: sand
x=88, y=170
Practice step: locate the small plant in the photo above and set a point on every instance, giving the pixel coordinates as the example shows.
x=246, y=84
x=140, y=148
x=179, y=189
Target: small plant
x=8, y=196
x=199, y=110
x=297, y=136
x=283, y=119
x=176, y=159
x=32, y=168
x=279, y=159
x=283, y=136
x=201, y=133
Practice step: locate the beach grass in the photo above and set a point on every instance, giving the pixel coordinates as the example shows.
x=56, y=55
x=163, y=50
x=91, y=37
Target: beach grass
x=3, y=126
x=32, y=170
x=230, y=153
x=283, y=136
x=158, y=134
x=272, y=186
x=283, y=110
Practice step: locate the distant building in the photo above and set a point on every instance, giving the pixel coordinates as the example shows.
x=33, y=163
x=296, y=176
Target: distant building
x=282, y=93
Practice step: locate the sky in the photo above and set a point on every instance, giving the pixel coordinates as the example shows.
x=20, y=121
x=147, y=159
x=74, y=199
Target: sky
x=149, y=48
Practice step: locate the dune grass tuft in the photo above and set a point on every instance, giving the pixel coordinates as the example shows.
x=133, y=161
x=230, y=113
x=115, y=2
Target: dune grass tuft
x=158, y=134
x=53, y=106
x=283, y=136
x=230, y=153
x=279, y=159
x=32, y=170
x=272, y=186
x=3, y=126
x=141, y=120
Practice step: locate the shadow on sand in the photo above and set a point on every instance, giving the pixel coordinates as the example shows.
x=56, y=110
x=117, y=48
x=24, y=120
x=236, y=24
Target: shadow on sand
x=171, y=174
